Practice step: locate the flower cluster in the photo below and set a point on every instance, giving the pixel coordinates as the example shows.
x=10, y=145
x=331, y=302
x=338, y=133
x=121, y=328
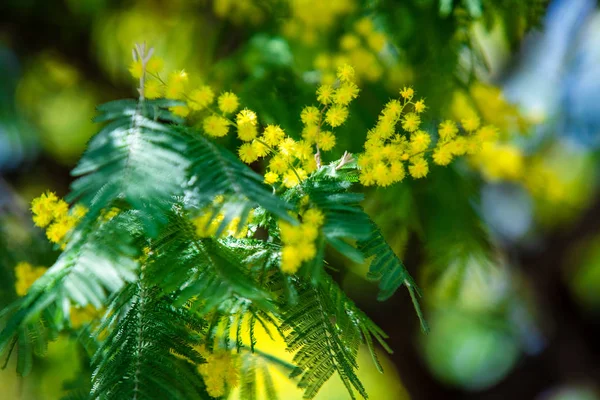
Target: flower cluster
x=359, y=48
x=299, y=240
x=197, y=98
x=488, y=102
x=387, y=151
x=26, y=275
x=53, y=213
x=220, y=371
x=292, y=160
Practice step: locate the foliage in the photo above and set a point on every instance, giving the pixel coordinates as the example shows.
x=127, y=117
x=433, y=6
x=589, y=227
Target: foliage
x=139, y=244
x=179, y=249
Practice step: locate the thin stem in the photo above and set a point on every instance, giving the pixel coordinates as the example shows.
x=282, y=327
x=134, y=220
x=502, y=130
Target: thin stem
x=140, y=52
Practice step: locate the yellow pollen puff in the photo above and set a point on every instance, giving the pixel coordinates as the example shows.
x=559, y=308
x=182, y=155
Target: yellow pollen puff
x=411, y=122
x=407, y=93
x=470, y=124
x=61, y=208
x=501, y=162
x=419, y=141
x=153, y=89
x=420, y=106
x=271, y=178
x=278, y=164
x=298, y=240
x=397, y=172
x=336, y=115
x=367, y=177
x=247, y=153
x=473, y=146
x=219, y=372
x=135, y=69
x=228, y=102
x=290, y=260
x=273, y=134
x=310, y=115
x=310, y=133
x=392, y=110
x=292, y=177
x=382, y=174
x=176, y=84
x=79, y=211
x=43, y=209
x=246, y=117
x=246, y=123
x=290, y=233
x=458, y=146
x=26, y=275
x=447, y=130
x=60, y=228
x=109, y=214
x=313, y=216
x=487, y=133
x=325, y=94
x=442, y=155
x=247, y=132
x=418, y=168
x=326, y=141
x=215, y=126
x=303, y=150
x=310, y=165
x=347, y=92
x=155, y=65
x=287, y=147
x=180, y=111
x=259, y=148
x=201, y=98
x=345, y=73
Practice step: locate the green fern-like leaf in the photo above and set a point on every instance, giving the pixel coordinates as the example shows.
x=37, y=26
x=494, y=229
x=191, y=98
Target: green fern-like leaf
x=149, y=354
x=325, y=329
x=96, y=263
x=216, y=172
x=346, y=223
x=201, y=268
x=137, y=158
x=388, y=269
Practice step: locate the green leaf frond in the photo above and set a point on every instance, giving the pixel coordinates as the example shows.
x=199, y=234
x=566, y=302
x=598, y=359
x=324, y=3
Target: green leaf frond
x=96, y=263
x=325, y=329
x=201, y=268
x=215, y=171
x=388, y=269
x=151, y=353
x=333, y=196
x=346, y=224
x=137, y=158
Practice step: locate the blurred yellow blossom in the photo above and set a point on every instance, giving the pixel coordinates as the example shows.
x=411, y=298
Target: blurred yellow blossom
x=26, y=275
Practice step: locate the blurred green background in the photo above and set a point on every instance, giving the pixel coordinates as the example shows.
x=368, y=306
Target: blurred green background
x=509, y=263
